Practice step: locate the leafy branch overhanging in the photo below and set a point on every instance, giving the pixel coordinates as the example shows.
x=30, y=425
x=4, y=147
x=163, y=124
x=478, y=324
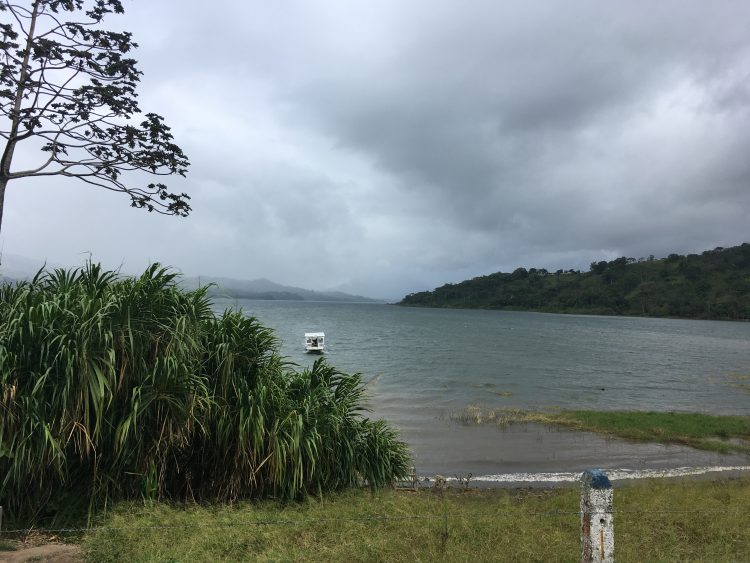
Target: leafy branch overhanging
x=68, y=88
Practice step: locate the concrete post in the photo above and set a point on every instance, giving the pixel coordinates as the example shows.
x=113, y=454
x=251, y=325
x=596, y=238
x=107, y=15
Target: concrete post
x=597, y=527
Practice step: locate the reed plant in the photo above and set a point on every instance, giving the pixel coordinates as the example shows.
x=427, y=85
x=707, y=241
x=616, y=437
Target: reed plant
x=127, y=388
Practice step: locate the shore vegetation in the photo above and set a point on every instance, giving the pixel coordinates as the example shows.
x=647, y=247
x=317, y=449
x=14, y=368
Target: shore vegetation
x=118, y=388
x=720, y=433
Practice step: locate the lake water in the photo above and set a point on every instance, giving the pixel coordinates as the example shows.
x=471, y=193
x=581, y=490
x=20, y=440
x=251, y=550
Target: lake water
x=425, y=364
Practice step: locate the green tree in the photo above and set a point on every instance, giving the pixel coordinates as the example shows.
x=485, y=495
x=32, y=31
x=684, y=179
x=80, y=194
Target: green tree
x=714, y=284
x=68, y=90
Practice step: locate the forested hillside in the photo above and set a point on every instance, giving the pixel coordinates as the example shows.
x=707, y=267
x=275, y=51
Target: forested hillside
x=711, y=285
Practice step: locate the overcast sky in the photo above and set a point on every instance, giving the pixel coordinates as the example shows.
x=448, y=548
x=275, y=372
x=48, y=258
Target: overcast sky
x=385, y=147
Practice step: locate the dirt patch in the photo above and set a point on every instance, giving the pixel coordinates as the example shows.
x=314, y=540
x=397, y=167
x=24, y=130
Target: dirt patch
x=52, y=553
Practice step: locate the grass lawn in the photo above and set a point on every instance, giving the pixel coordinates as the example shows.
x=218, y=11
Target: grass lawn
x=724, y=434
x=654, y=521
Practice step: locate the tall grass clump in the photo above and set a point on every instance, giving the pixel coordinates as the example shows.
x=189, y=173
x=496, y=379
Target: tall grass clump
x=115, y=388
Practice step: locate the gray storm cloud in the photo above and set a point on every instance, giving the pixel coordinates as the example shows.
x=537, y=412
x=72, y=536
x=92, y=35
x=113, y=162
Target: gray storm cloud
x=427, y=142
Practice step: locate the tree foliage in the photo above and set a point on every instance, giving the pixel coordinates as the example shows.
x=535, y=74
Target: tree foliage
x=713, y=285
x=68, y=90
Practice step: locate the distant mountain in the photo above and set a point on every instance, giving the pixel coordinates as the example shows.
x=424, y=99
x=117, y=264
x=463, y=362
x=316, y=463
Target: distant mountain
x=16, y=267
x=268, y=290
x=711, y=285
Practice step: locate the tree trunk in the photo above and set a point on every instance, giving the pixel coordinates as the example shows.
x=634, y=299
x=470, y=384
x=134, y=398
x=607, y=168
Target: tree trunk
x=10, y=146
x=3, y=183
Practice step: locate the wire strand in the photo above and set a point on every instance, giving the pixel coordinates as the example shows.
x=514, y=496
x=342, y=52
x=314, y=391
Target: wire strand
x=372, y=518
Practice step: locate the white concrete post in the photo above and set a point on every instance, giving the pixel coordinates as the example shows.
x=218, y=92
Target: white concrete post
x=597, y=527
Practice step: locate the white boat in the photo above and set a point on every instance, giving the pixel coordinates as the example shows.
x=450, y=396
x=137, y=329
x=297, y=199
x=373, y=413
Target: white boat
x=315, y=342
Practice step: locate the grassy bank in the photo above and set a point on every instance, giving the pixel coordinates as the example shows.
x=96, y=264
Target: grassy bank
x=724, y=434
x=654, y=521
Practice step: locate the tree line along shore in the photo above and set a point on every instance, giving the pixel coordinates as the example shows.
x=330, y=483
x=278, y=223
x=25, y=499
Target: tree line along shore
x=712, y=285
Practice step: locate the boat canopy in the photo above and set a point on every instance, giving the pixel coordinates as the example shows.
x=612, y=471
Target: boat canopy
x=315, y=334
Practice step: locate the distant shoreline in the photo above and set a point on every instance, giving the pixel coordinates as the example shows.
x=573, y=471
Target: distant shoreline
x=572, y=313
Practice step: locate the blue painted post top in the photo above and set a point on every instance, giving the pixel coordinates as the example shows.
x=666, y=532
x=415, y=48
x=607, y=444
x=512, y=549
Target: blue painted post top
x=596, y=479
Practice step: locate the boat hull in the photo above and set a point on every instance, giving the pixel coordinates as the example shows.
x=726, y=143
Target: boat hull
x=314, y=342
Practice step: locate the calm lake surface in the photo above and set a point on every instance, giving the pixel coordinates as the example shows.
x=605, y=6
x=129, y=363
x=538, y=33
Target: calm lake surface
x=424, y=364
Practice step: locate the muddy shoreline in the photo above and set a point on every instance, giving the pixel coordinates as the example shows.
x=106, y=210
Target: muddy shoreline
x=453, y=450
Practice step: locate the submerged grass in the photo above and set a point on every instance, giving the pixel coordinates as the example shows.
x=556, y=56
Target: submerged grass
x=654, y=521
x=740, y=381
x=722, y=434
